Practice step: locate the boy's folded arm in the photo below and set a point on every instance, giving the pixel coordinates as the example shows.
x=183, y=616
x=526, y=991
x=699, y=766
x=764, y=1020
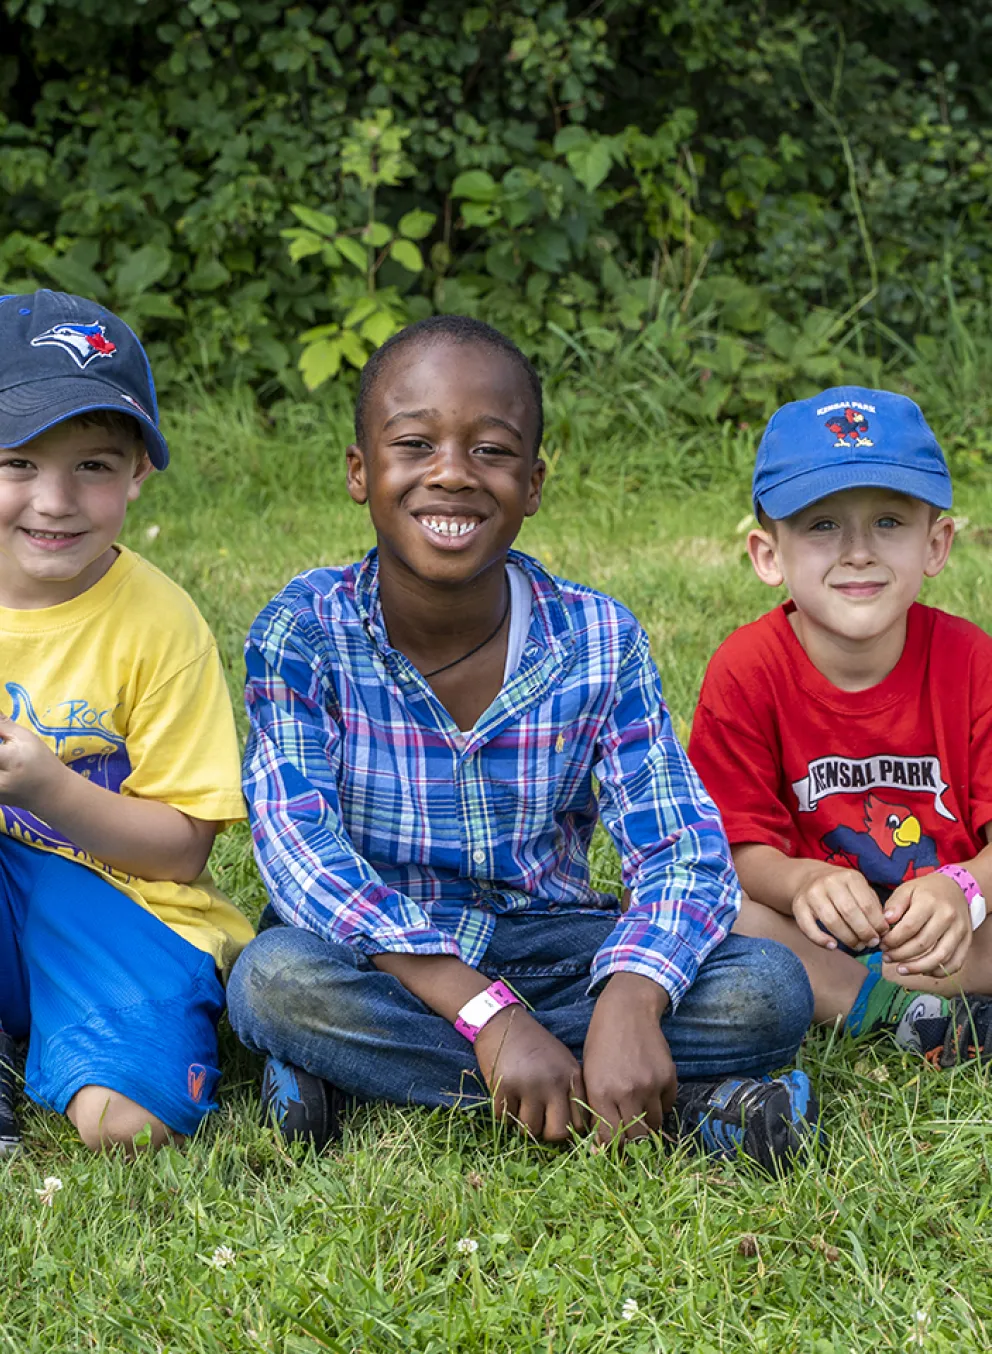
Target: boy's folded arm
x=675, y=857
x=141, y=837
x=442, y=981
x=314, y=875
x=828, y=902
x=931, y=929
x=772, y=877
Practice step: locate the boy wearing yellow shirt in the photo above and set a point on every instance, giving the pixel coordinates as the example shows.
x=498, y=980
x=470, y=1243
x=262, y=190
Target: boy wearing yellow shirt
x=118, y=754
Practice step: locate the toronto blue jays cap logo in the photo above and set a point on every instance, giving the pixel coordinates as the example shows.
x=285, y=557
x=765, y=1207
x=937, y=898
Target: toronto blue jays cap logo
x=62, y=356
x=83, y=342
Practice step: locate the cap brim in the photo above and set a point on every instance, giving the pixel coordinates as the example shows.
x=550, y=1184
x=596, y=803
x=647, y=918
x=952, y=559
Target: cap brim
x=792, y=496
x=28, y=410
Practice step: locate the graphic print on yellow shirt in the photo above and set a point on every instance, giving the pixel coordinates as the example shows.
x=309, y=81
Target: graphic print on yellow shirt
x=124, y=684
x=84, y=740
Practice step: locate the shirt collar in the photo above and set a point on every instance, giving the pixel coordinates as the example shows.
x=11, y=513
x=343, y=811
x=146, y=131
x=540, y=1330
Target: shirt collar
x=550, y=623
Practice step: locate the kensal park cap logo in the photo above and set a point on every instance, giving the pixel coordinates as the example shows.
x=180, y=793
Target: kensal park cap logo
x=849, y=426
x=847, y=437
x=83, y=342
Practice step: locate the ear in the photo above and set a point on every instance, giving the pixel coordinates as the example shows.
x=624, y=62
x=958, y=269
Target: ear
x=763, y=554
x=536, y=487
x=939, y=544
x=141, y=472
x=357, y=474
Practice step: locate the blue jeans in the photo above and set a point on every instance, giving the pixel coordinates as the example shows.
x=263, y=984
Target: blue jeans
x=326, y=1008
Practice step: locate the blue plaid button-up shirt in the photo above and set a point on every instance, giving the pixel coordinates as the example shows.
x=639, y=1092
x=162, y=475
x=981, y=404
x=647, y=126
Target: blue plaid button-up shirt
x=378, y=824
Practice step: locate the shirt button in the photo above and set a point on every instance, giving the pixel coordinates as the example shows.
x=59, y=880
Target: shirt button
x=479, y=856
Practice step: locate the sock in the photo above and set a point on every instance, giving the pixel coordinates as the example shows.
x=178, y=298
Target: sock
x=872, y=960
x=882, y=1003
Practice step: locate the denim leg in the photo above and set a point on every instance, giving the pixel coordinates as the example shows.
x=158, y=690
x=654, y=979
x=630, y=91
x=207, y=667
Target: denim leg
x=323, y=1007
x=745, y=1015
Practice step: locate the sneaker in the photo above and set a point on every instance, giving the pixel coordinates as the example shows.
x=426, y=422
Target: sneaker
x=962, y=1036
x=923, y=1023
x=10, y=1134
x=766, y=1120
x=303, y=1107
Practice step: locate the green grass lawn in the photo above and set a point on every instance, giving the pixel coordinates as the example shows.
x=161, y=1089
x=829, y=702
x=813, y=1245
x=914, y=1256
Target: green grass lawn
x=881, y=1243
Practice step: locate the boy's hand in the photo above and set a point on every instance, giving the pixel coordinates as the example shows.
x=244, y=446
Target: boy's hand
x=628, y=1067
x=930, y=926
x=533, y=1077
x=29, y=769
x=844, y=902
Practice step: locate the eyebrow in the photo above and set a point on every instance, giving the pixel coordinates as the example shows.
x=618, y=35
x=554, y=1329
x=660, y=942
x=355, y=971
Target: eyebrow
x=410, y=413
x=81, y=455
x=108, y=450
x=490, y=420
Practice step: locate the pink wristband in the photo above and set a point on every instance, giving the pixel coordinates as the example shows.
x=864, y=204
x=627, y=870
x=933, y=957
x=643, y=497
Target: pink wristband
x=480, y=1009
x=971, y=889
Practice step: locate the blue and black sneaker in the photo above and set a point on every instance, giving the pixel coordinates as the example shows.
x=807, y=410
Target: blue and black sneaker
x=303, y=1107
x=10, y=1134
x=962, y=1036
x=766, y=1120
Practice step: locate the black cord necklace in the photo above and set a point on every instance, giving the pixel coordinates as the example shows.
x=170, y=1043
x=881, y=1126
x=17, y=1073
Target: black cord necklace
x=488, y=640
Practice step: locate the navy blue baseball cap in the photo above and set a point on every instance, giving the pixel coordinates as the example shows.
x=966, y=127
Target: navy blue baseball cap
x=62, y=355
x=847, y=438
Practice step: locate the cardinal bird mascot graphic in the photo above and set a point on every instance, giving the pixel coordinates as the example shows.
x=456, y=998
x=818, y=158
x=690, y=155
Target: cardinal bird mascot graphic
x=850, y=428
x=892, y=849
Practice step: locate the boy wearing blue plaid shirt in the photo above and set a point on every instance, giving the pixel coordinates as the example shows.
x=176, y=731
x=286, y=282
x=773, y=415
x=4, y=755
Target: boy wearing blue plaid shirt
x=425, y=731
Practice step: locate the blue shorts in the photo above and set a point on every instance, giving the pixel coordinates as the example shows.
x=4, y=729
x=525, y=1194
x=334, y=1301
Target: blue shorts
x=105, y=993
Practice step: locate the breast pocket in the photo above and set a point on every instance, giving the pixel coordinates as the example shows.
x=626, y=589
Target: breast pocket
x=533, y=781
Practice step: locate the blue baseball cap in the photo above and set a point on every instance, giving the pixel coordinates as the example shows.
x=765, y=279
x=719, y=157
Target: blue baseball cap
x=847, y=438
x=62, y=355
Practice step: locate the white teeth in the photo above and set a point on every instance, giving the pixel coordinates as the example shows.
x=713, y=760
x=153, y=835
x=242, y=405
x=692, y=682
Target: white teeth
x=450, y=526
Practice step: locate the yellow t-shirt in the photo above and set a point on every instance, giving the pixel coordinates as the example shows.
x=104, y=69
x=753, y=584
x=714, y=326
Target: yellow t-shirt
x=125, y=684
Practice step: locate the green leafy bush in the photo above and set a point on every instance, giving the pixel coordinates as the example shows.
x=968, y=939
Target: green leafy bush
x=765, y=194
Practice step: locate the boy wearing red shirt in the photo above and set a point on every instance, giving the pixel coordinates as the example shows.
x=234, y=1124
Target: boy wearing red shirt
x=846, y=736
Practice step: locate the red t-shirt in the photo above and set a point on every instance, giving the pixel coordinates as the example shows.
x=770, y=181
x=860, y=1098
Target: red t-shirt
x=893, y=781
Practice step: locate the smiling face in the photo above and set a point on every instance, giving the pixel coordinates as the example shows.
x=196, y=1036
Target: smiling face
x=449, y=467
x=63, y=497
x=854, y=563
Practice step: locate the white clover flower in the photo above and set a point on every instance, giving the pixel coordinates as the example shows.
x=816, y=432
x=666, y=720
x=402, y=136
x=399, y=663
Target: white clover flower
x=629, y=1309
x=152, y=533
x=222, y=1257
x=48, y=1191
x=466, y=1245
